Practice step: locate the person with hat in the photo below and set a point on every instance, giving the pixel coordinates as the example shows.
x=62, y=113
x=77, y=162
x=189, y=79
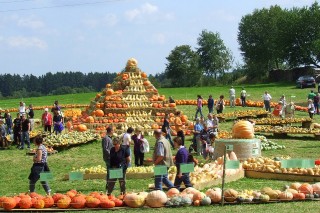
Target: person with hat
x=162, y=156
x=25, y=131
x=138, y=143
x=232, y=96
x=46, y=120
x=311, y=108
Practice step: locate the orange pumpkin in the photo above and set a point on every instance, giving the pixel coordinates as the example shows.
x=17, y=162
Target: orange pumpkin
x=64, y=203
x=110, y=92
x=38, y=204
x=143, y=75
x=184, y=118
x=99, y=113
x=82, y=128
x=8, y=203
x=306, y=188
x=92, y=202
x=196, y=203
x=172, y=105
x=78, y=202
x=146, y=83
x=172, y=192
x=48, y=201
x=243, y=129
x=90, y=119
x=25, y=203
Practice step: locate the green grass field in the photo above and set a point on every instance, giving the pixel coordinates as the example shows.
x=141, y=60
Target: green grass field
x=15, y=164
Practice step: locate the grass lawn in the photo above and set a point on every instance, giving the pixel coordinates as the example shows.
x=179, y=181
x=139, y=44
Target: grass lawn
x=15, y=164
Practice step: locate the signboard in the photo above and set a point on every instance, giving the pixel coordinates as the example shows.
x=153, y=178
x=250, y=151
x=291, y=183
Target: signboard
x=115, y=173
x=75, y=176
x=186, y=167
x=160, y=170
x=46, y=176
x=255, y=151
x=298, y=163
x=229, y=147
x=232, y=164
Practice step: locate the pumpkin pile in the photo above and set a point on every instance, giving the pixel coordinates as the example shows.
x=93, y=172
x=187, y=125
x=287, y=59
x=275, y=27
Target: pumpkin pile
x=285, y=129
x=130, y=101
x=265, y=164
x=70, y=138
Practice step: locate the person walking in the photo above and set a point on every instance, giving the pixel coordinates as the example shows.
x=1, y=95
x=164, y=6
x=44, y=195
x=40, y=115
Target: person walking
x=311, y=108
x=220, y=104
x=162, y=156
x=199, y=106
x=107, y=144
x=210, y=104
x=243, y=95
x=138, y=143
x=311, y=95
x=25, y=131
x=166, y=128
x=178, y=126
x=119, y=159
x=181, y=157
x=232, y=96
x=17, y=130
x=266, y=100
x=39, y=165
x=46, y=120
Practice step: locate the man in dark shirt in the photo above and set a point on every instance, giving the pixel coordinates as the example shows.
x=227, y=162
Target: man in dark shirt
x=106, y=147
x=25, y=130
x=17, y=130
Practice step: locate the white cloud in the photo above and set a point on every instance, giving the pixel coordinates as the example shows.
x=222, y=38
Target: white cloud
x=159, y=38
x=30, y=22
x=91, y=23
x=26, y=42
x=145, y=9
x=149, y=8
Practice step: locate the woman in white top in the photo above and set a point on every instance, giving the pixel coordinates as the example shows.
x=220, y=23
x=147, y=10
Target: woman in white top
x=22, y=108
x=126, y=140
x=311, y=108
x=266, y=100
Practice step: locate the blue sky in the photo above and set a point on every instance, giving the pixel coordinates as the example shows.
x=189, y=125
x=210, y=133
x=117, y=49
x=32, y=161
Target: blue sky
x=102, y=36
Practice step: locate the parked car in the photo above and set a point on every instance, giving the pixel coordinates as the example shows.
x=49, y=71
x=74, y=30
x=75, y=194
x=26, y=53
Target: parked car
x=306, y=81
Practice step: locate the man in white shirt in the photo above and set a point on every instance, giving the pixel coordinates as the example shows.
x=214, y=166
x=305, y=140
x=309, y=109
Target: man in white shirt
x=266, y=100
x=22, y=108
x=126, y=140
x=232, y=96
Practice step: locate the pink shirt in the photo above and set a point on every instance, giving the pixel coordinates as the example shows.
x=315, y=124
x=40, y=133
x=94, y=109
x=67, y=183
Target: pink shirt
x=199, y=102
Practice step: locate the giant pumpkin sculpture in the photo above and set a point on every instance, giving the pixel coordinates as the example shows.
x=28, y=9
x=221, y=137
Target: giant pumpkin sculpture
x=243, y=129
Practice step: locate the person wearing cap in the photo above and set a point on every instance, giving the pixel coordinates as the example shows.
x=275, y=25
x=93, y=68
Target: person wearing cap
x=162, y=156
x=119, y=158
x=46, y=120
x=17, y=130
x=25, y=131
x=232, y=96
x=243, y=95
x=311, y=109
x=138, y=143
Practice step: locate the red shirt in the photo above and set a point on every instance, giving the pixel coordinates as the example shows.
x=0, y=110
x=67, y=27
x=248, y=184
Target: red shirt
x=47, y=118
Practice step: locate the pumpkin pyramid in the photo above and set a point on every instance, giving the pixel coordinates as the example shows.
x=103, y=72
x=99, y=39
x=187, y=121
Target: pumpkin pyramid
x=130, y=101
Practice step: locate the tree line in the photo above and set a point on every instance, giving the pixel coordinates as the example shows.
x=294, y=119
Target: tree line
x=269, y=38
x=17, y=86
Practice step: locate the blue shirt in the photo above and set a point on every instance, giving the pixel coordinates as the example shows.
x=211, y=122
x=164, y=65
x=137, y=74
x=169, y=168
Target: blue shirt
x=198, y=127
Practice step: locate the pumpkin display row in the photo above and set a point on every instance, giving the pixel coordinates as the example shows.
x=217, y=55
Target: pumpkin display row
x=265, y=164
x=70, y=138
x=285, y=129
x=155, y=199
x=279, y=121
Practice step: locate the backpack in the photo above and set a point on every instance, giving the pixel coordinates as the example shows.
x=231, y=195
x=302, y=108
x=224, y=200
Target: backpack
x=144, y=148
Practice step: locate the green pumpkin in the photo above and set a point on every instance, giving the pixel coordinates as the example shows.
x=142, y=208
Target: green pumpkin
x=186, y=201
x=264, y=198
x=176, y=201
x=206, y=201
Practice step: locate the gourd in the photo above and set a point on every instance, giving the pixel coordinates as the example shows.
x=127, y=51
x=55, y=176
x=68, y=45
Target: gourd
x=306, y=188
x=186, y=201
x=48, y=201
x=92, y=202
x=25, y=203
x=78, y=202
x=99, y=113
x=9, y=203
x=38, y=204
x=285, y=195
x=295, y=185
x=156, y=199
x=63, y=203
x=243, y=129
x=230, y=195
x=206, y=201
x=106, y=203
x=82, y=128
x=264, y=198
x=299, y=196
x=198, y=195
x=172, y=192
x=214, y=195
x=316, y=188
x=176, y=200
x=134, y=200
